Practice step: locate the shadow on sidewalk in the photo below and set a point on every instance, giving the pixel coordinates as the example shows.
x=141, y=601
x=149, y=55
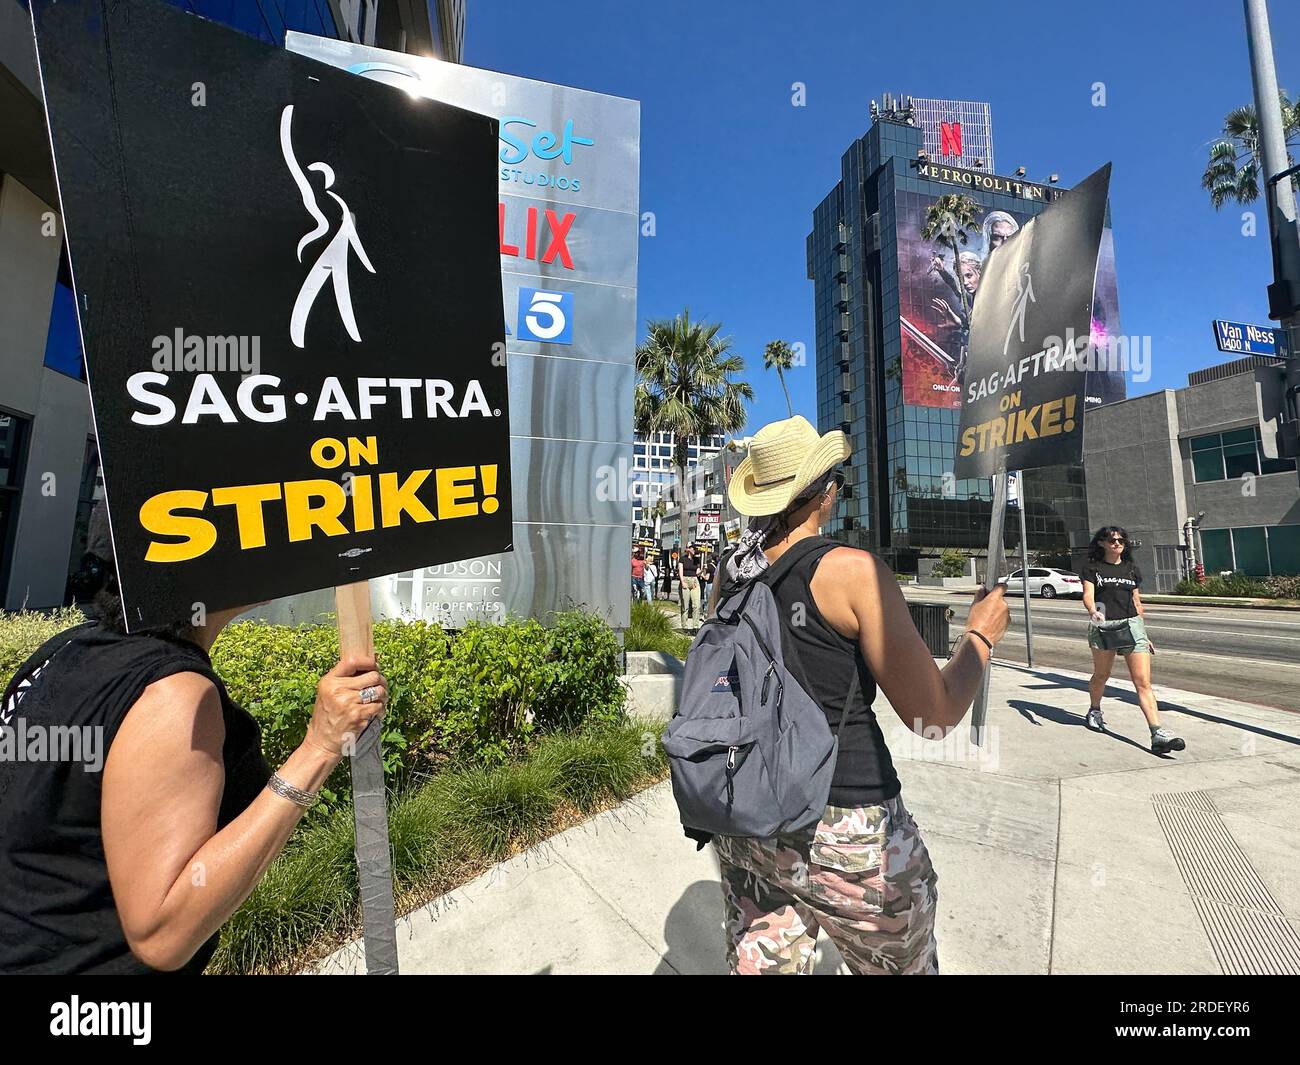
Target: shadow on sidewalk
x=1078, y=684
x=693, y=933
x=1031, y=711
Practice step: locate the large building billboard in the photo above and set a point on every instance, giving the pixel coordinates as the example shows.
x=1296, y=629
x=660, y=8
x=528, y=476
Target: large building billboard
x=568, y=202
x=936, y=292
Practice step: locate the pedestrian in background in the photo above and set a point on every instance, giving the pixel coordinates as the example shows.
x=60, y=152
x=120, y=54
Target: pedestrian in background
x=638, y=574
x=688, y=572
x=1117, y=626
x=708, y=570
x=651, y=577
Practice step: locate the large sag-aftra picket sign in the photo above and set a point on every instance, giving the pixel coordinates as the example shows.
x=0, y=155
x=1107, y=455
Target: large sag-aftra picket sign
x=290, y=302
x=1031, y=340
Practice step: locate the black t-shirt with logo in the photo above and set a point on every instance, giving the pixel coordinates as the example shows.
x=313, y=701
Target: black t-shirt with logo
x=1113, y=587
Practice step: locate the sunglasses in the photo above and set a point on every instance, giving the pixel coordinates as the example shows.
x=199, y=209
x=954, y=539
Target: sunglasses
x=1116, y=540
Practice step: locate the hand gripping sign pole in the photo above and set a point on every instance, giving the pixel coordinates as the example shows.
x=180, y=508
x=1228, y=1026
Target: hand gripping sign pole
x=370, y=813
x=997, y=522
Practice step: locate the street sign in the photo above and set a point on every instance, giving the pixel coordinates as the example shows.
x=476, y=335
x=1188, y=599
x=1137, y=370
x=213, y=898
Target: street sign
x=289, y=295
x=1242, y=339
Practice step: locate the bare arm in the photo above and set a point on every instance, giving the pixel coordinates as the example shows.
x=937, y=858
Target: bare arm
x=860, y=598
x=1090, y=599
x=175, y=878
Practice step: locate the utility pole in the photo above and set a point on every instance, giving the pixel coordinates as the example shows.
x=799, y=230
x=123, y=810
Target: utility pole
x=1279, y=197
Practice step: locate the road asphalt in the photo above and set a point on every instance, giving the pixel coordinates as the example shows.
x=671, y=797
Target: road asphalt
x=1233, y=652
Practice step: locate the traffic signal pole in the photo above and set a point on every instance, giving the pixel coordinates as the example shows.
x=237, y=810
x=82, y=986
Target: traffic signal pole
x=1280, y=200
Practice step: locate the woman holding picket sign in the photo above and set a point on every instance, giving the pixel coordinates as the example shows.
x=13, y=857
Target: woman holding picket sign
x=1116, y=626
x=132, y=865
x=862, y=872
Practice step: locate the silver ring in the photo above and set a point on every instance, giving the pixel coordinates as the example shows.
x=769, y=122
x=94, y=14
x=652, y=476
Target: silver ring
x=370, y=694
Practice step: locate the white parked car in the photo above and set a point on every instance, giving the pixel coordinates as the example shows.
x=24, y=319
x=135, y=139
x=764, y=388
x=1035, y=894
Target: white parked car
x=1044, y=581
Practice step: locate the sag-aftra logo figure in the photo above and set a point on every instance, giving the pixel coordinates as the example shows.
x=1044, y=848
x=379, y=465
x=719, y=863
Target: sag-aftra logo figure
x=332, y=263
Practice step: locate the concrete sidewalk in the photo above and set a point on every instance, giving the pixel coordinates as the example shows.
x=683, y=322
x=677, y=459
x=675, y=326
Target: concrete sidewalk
x=1058, y=851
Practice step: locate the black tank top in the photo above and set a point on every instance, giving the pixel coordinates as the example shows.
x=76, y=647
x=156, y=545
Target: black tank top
x=56, y=904
x=823, y=661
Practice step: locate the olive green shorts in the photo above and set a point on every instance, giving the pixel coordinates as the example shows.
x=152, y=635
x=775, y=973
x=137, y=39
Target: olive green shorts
x=1141, y=645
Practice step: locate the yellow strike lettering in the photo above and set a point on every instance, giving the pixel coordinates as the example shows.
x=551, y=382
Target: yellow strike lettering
x=363, y=503
x=1051, y=421
x=247, y=500
x=302, y=517
x=1025, y=424
x=456, y=483
x=997, y=433
x=158, y=516
x=968, y=441
x=394, y=499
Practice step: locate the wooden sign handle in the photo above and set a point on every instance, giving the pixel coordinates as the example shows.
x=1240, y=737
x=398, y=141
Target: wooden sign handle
x=369, y=799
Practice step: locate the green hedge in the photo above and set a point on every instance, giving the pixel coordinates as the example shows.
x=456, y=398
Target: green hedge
x=476, y=697
x=1241, y=586
x=23, y=632
x=951, y=564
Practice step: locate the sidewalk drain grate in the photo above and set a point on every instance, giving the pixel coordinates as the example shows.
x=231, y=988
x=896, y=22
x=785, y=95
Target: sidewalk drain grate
x=1246, y=927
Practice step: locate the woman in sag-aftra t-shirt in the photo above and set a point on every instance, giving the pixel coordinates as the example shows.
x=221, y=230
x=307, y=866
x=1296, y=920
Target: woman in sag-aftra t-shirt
x=1110, y=595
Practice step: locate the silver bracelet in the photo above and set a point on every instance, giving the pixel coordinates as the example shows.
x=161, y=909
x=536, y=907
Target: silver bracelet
x=305, y=799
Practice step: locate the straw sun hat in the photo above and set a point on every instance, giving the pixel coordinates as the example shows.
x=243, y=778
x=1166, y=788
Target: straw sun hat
x=784, y=459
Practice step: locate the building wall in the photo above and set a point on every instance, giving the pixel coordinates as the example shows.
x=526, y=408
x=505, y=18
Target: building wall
x=1138, y=461
x=56, y=405
x=1134, y=471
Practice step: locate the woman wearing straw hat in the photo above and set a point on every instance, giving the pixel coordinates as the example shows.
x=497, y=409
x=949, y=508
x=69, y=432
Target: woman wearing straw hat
x=864, y=875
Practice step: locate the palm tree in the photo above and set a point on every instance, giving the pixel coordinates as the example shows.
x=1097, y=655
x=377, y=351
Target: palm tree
x=779, y=355
x=685, y=387
x=1232, y=172
x=948, y=223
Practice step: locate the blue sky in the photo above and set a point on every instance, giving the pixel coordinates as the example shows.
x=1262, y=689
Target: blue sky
x=732, y=170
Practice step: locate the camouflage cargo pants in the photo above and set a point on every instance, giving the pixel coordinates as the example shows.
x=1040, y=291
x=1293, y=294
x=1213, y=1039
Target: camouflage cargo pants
x=864, y=876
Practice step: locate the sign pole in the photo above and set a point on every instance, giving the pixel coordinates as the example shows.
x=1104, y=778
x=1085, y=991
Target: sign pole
x=997, y=521
x=1024, y=567
x=369, y=807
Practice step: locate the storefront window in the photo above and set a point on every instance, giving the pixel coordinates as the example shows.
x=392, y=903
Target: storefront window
x=1251, y=549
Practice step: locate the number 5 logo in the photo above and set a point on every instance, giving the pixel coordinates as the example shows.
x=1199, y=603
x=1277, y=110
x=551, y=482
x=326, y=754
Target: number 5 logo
x=546, y=317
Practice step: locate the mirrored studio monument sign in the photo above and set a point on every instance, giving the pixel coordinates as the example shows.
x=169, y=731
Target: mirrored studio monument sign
x=567, y=188
x=340, y=229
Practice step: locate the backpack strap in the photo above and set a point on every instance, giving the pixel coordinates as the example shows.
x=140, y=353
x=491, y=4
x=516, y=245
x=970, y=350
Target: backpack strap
x=854, y=687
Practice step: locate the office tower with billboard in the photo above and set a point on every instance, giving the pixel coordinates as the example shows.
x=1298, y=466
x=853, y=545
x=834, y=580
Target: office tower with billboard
x=892, y=296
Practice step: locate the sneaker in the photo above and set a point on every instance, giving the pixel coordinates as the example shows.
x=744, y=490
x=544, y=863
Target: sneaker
x=1094, y=720
x=1163, y=741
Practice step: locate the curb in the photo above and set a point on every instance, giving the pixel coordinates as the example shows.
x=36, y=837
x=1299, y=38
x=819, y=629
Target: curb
x=1211, y=600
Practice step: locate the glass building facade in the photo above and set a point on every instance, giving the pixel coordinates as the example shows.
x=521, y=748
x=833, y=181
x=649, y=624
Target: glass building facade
x=901, y=499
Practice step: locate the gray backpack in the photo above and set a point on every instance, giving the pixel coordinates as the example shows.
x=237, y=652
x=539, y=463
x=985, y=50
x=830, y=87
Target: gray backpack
x=750, y=752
